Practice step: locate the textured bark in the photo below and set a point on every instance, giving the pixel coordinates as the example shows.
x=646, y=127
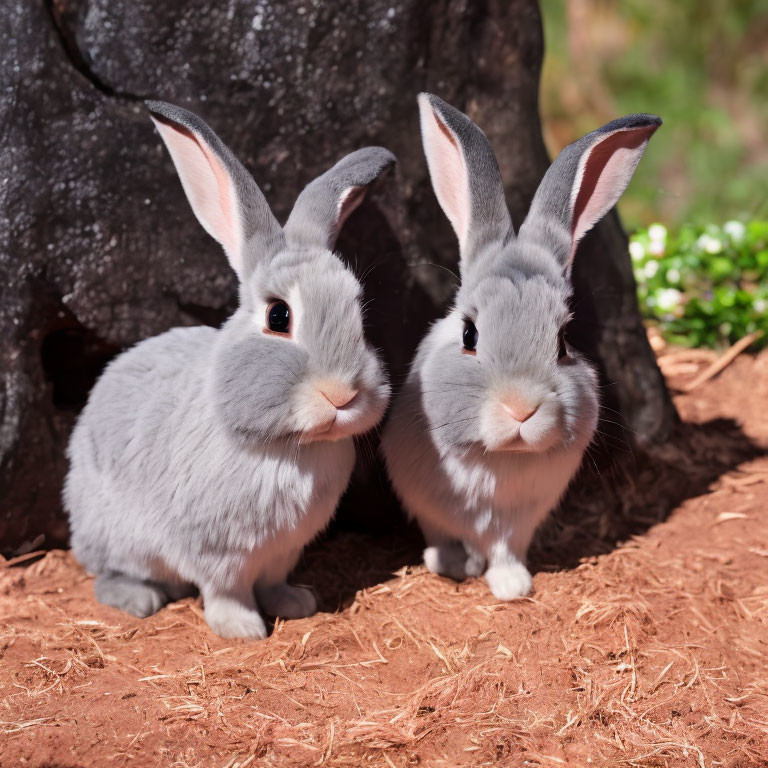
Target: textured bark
x=98, y=247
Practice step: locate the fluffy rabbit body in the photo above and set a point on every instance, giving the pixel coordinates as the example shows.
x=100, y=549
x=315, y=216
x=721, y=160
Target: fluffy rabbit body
x=498, y=409
x=209, y=458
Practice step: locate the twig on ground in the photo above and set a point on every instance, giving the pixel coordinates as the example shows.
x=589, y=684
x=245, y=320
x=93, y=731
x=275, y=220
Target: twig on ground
x=722, y=362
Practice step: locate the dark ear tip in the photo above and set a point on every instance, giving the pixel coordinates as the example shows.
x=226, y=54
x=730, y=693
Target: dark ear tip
x=159, y=108
x=380, y=160
x=385, y=157
x=633, y=122
x=647, y=120
x=453, y=118
x=435, y=102
x=382, y=152
x=170, y=114
x=379, y=157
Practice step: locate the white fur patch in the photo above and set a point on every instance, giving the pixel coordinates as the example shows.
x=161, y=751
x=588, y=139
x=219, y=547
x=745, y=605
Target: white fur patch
x=297, y=313
x=448, y=332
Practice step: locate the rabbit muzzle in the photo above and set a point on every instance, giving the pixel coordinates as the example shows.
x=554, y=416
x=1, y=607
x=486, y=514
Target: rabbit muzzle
x=521, y=423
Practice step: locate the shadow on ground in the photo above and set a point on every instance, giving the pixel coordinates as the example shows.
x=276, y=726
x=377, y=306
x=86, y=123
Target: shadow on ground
x=614, y=498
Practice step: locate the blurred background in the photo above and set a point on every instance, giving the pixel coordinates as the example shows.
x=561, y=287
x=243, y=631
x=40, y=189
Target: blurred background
x=702, y=65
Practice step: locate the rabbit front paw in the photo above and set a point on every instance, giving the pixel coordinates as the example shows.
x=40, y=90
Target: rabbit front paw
x=448, y=559
x=509, y=581
x=229, y=618
x=135, y=596
x=286, y=601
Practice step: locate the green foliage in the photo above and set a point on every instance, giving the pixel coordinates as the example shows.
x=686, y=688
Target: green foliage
x=705, y=286
x=699, y=64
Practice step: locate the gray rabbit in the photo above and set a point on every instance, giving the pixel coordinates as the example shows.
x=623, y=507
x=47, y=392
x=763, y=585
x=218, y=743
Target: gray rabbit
x=498, y=409
x=207, y=457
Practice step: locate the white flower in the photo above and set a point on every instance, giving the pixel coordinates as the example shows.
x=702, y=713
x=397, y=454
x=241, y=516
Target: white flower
x=735, y=230
x=636, y=251
x=760, y=305
x=709, y=244
x=651, y=268
x=673, y=275
x=656, y=247
x=668, y=298
x=657, y=233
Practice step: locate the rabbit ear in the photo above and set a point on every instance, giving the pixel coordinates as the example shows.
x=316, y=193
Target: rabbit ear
x=584, y=183
x=223, y=195
x=325, y=203
x=465, y=176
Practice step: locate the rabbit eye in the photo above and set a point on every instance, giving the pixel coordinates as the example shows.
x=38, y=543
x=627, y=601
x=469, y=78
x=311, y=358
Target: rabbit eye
x=278, y=318
x=469, y=338
x=562, y=348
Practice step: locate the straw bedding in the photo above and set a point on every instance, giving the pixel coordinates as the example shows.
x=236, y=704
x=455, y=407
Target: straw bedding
x=645, y=642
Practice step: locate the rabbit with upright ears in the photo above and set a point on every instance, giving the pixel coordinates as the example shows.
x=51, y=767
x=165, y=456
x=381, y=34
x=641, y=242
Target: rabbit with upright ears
x=207, y=457
x=498, y=408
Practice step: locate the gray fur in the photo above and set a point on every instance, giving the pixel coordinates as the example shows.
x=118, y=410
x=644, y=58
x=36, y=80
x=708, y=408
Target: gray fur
x=194, y=461
x=445, y=443
x=137, y=597
x=317, y=216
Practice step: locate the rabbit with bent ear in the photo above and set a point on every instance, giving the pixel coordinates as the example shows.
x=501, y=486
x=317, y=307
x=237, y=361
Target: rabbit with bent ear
x=498, y=409
x=207, y=457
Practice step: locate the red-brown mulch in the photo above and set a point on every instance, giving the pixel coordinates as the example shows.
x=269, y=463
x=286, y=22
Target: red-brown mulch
x=648, y=652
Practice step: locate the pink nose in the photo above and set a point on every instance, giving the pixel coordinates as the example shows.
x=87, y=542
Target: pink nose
x=518, y=409
x=338, y=395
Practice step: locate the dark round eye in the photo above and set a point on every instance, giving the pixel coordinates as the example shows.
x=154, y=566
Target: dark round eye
x=279, y=317
x=562, y=350
x=470, y=336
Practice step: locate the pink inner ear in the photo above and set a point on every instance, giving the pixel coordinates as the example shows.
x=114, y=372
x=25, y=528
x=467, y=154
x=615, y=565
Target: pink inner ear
x=447, y=169
x=207, y=185
x=223, y=185
x=349, y=200
x=607, y=171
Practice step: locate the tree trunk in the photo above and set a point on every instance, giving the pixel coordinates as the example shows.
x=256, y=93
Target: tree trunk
x=98, y=247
